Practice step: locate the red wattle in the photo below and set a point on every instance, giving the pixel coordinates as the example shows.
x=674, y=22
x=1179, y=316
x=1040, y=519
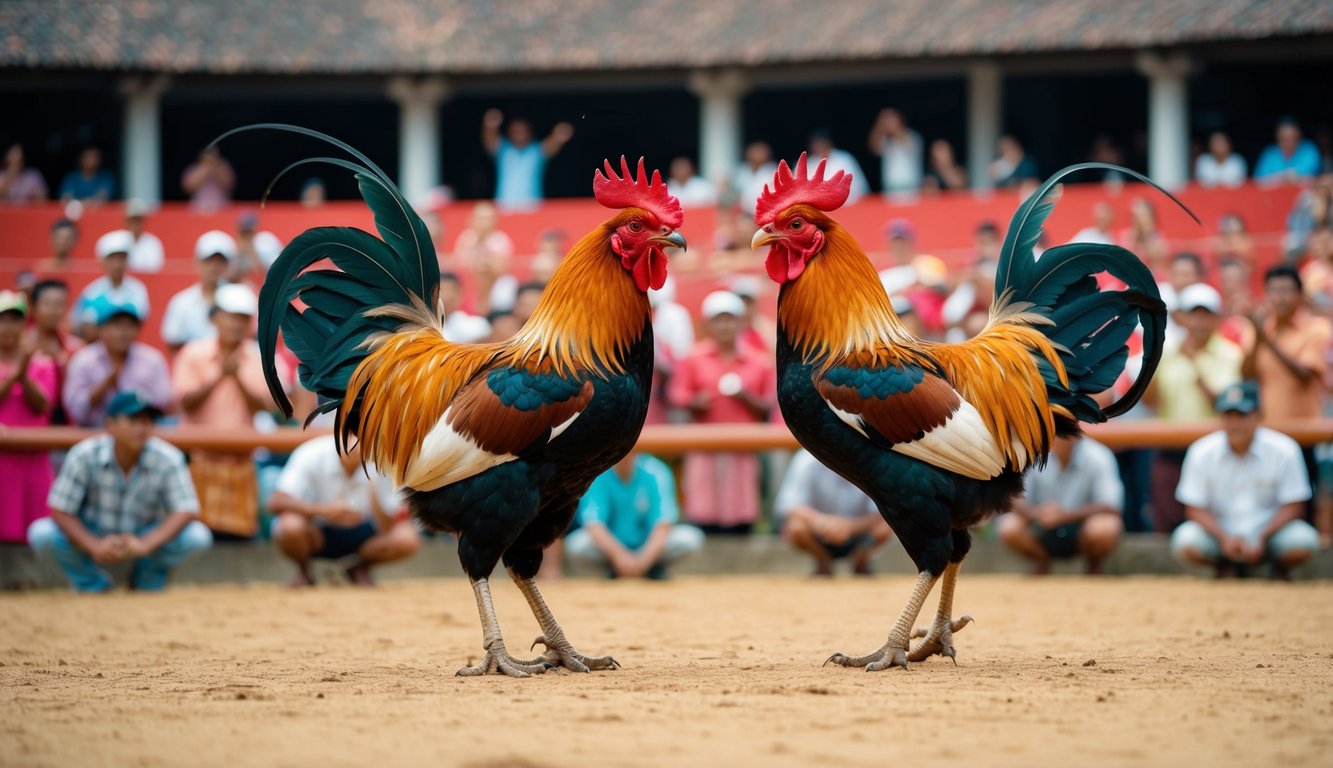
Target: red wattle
x=641, y=272
x=795, y=266
x=776, y=265
x=657, y=268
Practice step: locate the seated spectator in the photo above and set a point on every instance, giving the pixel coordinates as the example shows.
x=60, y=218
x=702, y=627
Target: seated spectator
x=1012, y=165
x=1244, y=489
x=1233, y=239
x=90, y=182
x=27, y=392
x=483, y=252
x=972, y=297
x=550, y=252
x=673, y=339
x=629, y=521
x=754, y=173
x=18, y=183
x=899, y=149
x=1317, y=274
x=525, y=301
x=47, y=334
x=330, y=507
x=1105, y=149
x=945, y=174
x=1101, y=231
x=520, y=162
x=123, y=495
x=459, y=325
x=1313, y=210
x=1235, y=285
x=116, y=362
x=1290, y=159
x=503, y=326
x=64, y=236
x=146, y=255
x=821, y=148
x=313, y=193
x=757, y=329
x=723, y=381
x=256, y=249
x=219, y=382
x=187, y=316
x=693, y=190
x=1144, y=238
x=900, y=276
x=827, y=517
x=209, y=181
x=113, y=288
x=1069, y=507
x=1219, y=166
x=1185, y=269
x=1192, y=372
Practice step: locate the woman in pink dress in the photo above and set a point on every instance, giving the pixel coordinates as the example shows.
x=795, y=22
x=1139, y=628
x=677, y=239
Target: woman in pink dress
x=27, y=391
x=723, y=381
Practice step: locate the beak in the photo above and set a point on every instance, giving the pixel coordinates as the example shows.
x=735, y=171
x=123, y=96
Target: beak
x=675, y=239
x=763, y=236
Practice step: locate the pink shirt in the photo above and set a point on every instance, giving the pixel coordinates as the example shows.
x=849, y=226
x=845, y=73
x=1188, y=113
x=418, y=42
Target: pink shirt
x=200, y=362
x=703, y=371
x=14, y=411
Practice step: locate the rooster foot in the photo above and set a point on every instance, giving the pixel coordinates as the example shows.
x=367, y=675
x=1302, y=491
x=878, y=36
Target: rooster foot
x=938, y=640
x=497, y=661
x=873, y=662
x=560, y=653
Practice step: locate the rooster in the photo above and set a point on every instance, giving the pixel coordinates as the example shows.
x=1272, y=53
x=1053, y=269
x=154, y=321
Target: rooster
x=493, y=442
x=938, y=435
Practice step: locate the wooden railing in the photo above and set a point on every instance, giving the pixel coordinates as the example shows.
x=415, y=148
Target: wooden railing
x=663, y=439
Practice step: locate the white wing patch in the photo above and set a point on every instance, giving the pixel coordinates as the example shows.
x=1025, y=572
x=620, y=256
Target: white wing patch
x=562, y=426
x=962, y=444
x=447, y=456
x=851, y=419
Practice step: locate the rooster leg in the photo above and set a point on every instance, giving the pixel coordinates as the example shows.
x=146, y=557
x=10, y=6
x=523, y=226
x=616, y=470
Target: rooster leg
x=894, y=651
x=497, y=659
x=559, y=651
x=939, y=639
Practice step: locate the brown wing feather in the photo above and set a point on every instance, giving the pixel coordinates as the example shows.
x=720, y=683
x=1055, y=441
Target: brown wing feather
x=479, y=415
x=901, y=417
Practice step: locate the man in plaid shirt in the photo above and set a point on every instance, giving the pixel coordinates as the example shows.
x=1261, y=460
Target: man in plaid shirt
x=124, y=495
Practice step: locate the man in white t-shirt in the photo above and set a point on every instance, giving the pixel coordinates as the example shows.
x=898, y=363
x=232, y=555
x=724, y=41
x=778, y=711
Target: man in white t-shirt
x=821, y=148
x=900, y=152
x=1244, y=488
x=146, y=255
x=329, y=507
x=188, y=313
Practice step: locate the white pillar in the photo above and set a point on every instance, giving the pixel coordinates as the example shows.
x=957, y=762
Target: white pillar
x=1168, y=117
x=141, y=142
x=719, y=121
x=984, y=117
x=418, y=133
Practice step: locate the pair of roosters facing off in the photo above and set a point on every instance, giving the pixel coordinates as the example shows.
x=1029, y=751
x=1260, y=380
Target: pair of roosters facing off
x=497, y=442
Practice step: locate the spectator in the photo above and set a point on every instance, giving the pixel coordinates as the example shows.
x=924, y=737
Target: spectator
x=900, y=276
x=1317, y=274
x=146, y=255
x=47, y=335
x=723, y=381
x=1106, y=150
x=64, y=236
x=1233, y=239
x=459, y=324
x=18, y=183
x=520, y=163
x=1186, y=269
x=673, y=339
x=1070, y=506
x=986, y=241
x=1144, y=238
x=550, y=252
x=693, y=190
x=256, y=249
x=187, y=313
x=821, y=148
x=1012, y=166
x=1234, y=283
x=483, y=251
x=1312, y=210
x=330, y=507
x=1191, y=374
x=313, y=193
x=209, y=181
x=525, y=301
x=1219, y=166
x=123, y=495
x=945, y=172
x=503, y=326
x=827, y=517
x=219, y=382
x=629, y=521
x=757, y=330
x=899, y=150
x=754, y=173
x=972, y=298
x=115, y=363
x=1100, y=231
x=1244, y=490
x=1290, y=159
x=90, y=182
x=113, y=288
x=27, y=392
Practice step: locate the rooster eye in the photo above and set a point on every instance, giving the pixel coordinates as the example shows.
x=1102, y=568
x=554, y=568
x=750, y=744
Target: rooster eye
x=796, y=224
x=635, y=226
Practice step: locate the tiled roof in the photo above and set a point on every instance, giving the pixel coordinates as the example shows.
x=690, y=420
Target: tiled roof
x=481, y=36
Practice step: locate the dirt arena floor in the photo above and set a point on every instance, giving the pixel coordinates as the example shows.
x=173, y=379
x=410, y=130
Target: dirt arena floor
x=717, y=671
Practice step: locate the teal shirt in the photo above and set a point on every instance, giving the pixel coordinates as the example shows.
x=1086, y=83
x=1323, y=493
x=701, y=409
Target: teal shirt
x=630, y=510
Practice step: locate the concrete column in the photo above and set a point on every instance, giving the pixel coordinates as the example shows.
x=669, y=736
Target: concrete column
x=418, y=133
x=141, y=142
x=719, y=95
x=984, y=118
x=1168, y=117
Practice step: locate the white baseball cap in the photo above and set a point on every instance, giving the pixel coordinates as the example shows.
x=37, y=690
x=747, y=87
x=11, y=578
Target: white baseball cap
x=722, y=303
x=1199, y=296
x=115, y=241
x=236, y=298
x=215, y=241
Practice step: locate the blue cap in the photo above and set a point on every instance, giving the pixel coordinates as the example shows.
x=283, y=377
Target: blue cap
x=106, y=310
x=1242, y=397
x=131, y=404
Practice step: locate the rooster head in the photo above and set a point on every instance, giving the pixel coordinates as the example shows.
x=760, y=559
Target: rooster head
x=646, y=224
x=791, y=219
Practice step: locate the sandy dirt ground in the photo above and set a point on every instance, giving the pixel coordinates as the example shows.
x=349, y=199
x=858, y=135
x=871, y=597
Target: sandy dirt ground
x=717, y=671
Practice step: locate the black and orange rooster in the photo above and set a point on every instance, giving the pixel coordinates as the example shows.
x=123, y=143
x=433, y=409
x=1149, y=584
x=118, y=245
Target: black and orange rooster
x=492, y=442
x=938, y=435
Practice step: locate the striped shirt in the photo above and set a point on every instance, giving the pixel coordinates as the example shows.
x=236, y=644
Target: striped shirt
x=92, y=487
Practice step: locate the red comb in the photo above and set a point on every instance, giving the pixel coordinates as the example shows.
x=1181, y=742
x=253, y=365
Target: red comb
x=624, y=191
x=790, y=189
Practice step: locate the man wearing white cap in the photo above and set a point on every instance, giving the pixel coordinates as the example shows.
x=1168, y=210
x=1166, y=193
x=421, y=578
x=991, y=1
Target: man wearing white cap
x=187, y=317
x=146, y=255
x=219, y=382
x=113, y=288
x=1192, y=372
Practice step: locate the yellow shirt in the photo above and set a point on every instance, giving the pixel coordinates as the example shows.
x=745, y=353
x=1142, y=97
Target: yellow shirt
x=1179, y=397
